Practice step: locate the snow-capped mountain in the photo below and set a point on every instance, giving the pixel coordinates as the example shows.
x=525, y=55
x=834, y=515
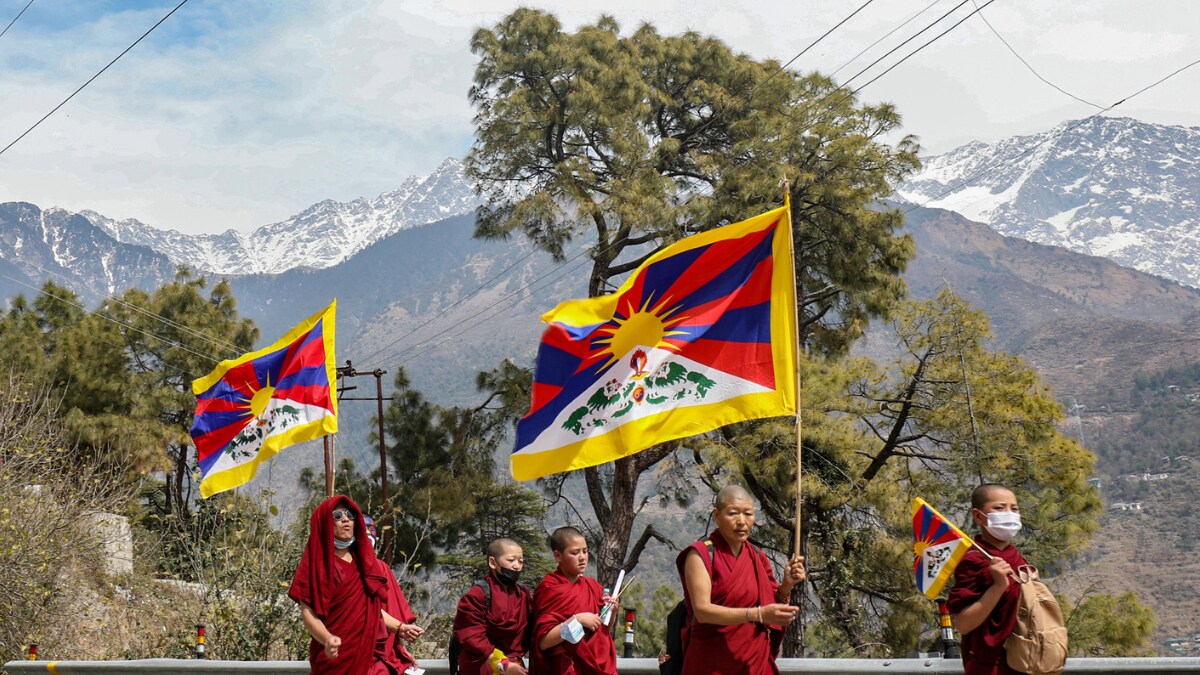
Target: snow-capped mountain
x=319, y=237
x=1109, y=186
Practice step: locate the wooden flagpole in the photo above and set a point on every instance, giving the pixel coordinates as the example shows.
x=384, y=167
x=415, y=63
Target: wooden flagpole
x=787, y=202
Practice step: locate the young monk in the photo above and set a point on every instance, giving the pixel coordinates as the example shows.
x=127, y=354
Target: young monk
x=983, y=602
x=342, y=592
x=736, y=609
x=567, y=632
x=496, y=639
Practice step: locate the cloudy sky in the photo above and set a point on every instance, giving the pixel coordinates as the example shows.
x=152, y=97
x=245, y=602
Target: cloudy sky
x=235, y=114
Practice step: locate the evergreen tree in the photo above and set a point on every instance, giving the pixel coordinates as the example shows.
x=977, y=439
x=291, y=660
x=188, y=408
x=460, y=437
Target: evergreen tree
x=629, y=143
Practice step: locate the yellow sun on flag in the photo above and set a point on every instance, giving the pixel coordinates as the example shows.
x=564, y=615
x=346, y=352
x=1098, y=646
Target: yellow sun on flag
x=647, y=326
x=260, y=400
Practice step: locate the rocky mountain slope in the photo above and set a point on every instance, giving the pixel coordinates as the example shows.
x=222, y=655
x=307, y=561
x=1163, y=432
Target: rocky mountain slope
x=1108, y=186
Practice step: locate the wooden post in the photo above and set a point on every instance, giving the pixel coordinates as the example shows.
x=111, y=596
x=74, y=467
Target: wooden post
x=386, y=516
x=328, y=468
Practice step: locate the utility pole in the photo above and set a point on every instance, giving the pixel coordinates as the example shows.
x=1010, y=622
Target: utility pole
x=387, y=526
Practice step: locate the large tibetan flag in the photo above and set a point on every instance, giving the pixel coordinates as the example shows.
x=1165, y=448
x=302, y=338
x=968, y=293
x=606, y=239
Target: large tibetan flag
x=703, y=334
x=938, y=546
x=251, y=407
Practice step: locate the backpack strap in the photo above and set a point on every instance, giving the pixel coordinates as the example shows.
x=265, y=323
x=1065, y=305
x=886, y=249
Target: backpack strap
x=487, y=593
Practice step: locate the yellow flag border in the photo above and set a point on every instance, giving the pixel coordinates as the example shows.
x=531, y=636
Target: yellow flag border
x=243, y=473
x=780, y=402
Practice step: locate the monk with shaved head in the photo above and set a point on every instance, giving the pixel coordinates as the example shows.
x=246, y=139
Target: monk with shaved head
x=493, y=623
x=736, y=609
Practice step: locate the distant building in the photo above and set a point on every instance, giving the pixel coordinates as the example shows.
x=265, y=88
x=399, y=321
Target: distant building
x=1125, y=506
x=1094, y=482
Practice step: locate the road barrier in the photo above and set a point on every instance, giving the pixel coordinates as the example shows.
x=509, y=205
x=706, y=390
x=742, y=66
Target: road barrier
x=1137, y=666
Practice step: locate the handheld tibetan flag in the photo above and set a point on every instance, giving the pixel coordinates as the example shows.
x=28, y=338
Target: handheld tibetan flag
x=251, y=407
x=703, y=334
x=938, y=546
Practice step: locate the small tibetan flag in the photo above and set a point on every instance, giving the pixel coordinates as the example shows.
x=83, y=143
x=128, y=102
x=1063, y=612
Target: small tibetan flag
x=938, y=546
x=703, y=334
x=251, y=407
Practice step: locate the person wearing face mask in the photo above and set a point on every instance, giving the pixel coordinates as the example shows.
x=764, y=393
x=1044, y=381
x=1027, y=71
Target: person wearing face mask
x=492, y=624
x=736, y=610
x=342, y=591
x=983, y=602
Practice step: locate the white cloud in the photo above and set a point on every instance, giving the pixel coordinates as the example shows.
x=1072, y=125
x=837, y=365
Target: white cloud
x=240, y=114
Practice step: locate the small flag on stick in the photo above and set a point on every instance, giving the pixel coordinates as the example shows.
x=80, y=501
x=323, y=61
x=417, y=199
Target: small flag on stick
x=938, y=546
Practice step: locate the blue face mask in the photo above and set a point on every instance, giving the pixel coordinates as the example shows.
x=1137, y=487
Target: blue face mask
x=343, y=545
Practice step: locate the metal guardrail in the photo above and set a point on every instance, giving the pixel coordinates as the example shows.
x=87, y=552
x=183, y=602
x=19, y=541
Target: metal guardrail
x=1090, y=666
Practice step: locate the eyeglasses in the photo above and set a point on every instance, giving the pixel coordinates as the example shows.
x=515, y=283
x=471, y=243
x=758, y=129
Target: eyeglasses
x=338, y=514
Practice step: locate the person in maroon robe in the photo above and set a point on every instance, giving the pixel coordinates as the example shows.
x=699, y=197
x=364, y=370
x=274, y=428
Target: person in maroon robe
x=495, y=635
x=568, y=635
x=736, y=610
x=399, y=620
x=983, y=601
x=342, y=591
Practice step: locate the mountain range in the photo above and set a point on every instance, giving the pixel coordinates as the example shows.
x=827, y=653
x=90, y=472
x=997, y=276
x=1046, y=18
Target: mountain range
x=1107, y=186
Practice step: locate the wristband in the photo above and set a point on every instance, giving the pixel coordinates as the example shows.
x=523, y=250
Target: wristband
x=572, y=631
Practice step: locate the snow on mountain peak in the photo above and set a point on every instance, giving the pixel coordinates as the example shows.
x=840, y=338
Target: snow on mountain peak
x=1107, y=186
x=318, y=237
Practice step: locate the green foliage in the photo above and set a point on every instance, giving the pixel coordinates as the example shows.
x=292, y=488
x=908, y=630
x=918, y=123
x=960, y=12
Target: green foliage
x=946, y=416
x=47, y=540
x=634, y=141
x=1108, y=625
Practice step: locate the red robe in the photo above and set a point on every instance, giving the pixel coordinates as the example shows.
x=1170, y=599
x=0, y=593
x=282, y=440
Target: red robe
x=746, y=580
x=397, y=606
x=480, y=631
x=348, y=597
x=555, y=600
x=983, y=648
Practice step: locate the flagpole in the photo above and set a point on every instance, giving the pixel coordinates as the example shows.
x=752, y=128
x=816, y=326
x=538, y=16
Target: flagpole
x=787, y=202
x=328, y=468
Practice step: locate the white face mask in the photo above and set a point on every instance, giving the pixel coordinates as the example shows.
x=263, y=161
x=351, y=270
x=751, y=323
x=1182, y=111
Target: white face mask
x=1003, y=525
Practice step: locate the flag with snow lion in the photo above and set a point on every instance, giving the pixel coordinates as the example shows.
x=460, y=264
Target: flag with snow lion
x=702, y=335
x=938, y=546
x=251, y=407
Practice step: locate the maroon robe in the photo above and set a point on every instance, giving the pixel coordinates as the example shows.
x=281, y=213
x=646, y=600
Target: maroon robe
x=557, y=599
x=505, y=626
x=397, y=606
x=348, y=597
x=745, y=580
x=983, y=648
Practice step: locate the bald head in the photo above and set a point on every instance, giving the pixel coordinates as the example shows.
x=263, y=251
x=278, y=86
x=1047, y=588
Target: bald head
x=498, y=546
x=985, y=493
x=731, y=493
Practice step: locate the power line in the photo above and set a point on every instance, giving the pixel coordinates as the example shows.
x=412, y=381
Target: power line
x=1030, y=67
x=96, y=312
x=10, y=23
x=98, y=74
x=1066, y=128
x=885, y=36
x=456, y=303
x=145, y=312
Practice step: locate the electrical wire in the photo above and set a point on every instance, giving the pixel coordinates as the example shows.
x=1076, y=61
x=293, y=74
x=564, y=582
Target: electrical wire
x=1066, y=128
x=885, y=36
x=169, y=343
x=92, y=78
x=1030, y=67
x=10, y=23
x=232, y=349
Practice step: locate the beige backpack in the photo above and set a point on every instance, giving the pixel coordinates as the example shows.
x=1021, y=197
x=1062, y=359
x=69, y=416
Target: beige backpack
x=1038, y=644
